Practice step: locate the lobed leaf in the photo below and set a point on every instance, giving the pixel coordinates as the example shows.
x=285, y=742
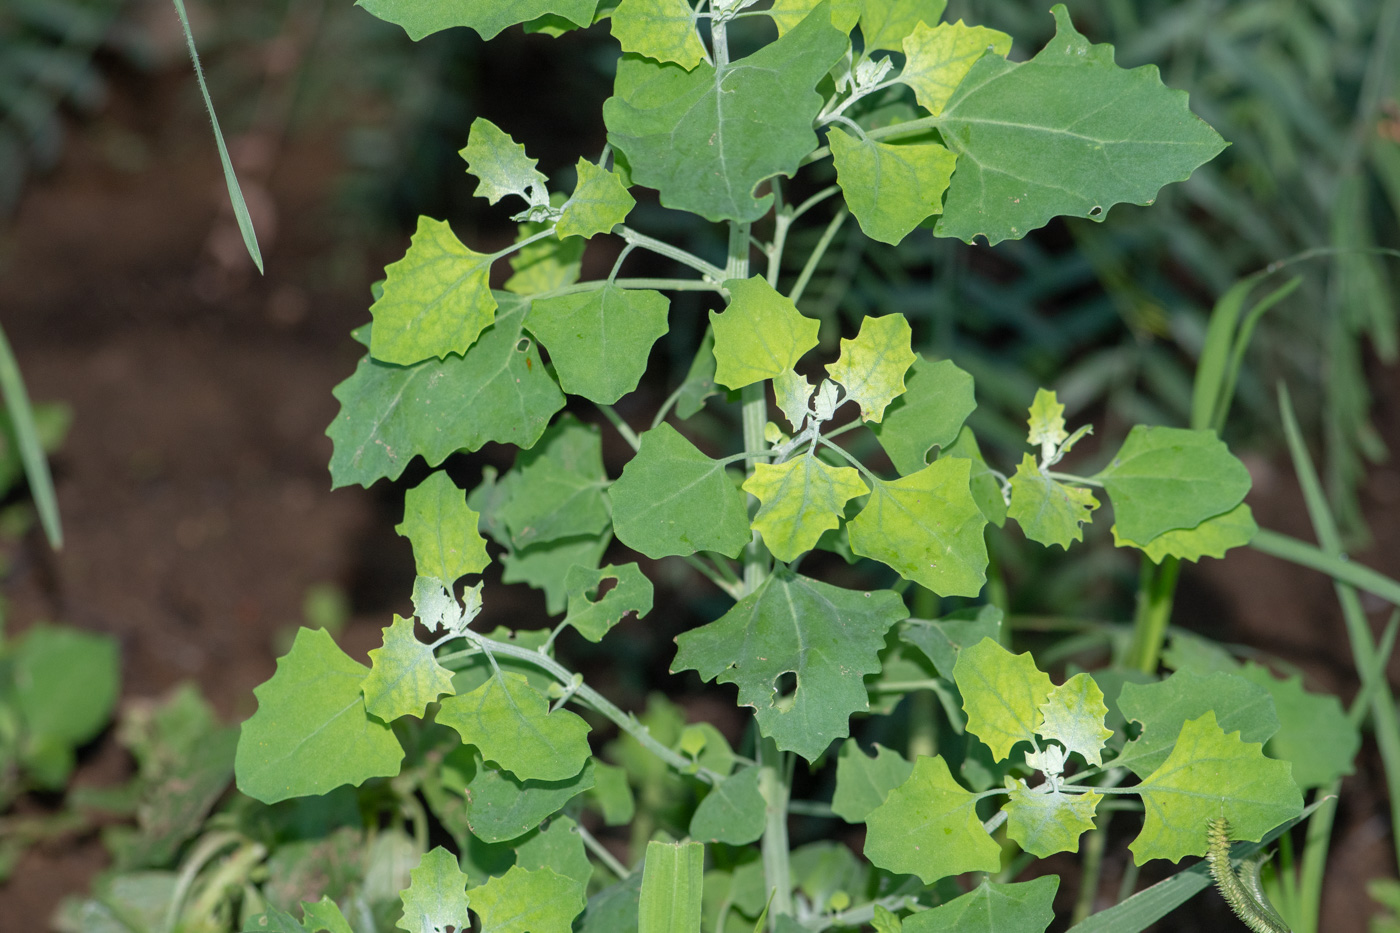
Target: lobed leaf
x=1044, y=820
x=559, y=847
x=510, y=723
x=985, y=486
x=443, y=529
x=928, y=826
x=863, y=783
x=437, y=896
x=599, y=340
x=501, y=807
x=501, y=165
x=600, y=201
x=1073, y=715
x=1002, y=695
x=404, y=675
x=1314, y=733
x=1027, y=907
x=1211, y=538
x=871, y=367
x=884, y=24
x=659, y=29
x=557, y=489
x=733, y=812
x=1049, y=511
x=788, y=13
x=593, y=618
x=1163, y=707
x=937, y=59
x=890, y=189
x=937, y=399
x=942, y=640
x=526, y=901
x=800, y=499
x=761, y=335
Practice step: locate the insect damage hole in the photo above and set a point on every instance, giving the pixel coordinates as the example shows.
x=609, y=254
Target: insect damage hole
x=785, y=691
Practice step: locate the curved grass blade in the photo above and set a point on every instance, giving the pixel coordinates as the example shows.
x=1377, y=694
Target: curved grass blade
x=31, y=451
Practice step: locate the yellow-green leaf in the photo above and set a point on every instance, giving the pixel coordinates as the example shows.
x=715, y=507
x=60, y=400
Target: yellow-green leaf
x=937, y=58
x=800, y=499
x=760, y=335
x=928, y=826
x=443, y=529
x=659, y=29
x=1073, y=715
x=885, y=23
x=404, y=677
x=871, y=367
x=1049, y=511
x=600, y=202
x=1043, y=820
x=1002, y=695
x=890, y=189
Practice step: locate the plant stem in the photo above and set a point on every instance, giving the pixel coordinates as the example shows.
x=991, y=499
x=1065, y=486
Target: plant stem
x=662, y=248
x=1154, y=611
x=591, y=843
x=817, y=252
x=773, y=783
x=623, y=428
x=668, y=285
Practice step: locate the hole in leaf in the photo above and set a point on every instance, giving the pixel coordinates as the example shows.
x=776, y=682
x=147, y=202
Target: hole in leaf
x=785, y=691
x=603, y=588
x=522, y=345
x=1095, y=211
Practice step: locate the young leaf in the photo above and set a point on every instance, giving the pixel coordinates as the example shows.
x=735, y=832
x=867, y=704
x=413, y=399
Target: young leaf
x=659, y=29
x=524, y=901
x=732, y=812
x=1002, y=694
x=487, y=17
x=927, y=527
x=890, y=189
x=1211, y=774
x=788, y=13
x=311, y=732
x=1164, y=706
x=829, y=637
x=928, y=826
x=1048, y=511
x=937, y=399
x=937, y=58
x=672, y=499
x=942, y=640
x=631, y=593
x=405, y=677
x=437, y=897
x=871, y=367
x=1073, y=715
x=1027, y=907
x=599, y=340
x=1044, y=821
x=885, y=23
x=1314, y=733
x=1211, y=538
x=985, y=486
x=501, y=165
x=443, y=529
x=437, y=299
x=793, y=394
x=800, y=499
x=1166, y=478
x=558, y=489
x=1047, y=421
x=600, y=201
x=672, y=888
x=558, y=847
x=390, y=414
x=706, y=138
x=760, y=335
x=510, y=723
x=501, y=807
x=862, y=783
x=1067, y=132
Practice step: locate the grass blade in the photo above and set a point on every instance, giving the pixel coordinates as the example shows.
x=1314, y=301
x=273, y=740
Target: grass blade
x=31, y=450
x=672, y=883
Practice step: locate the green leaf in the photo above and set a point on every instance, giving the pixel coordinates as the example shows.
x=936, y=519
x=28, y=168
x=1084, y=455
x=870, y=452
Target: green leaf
x=1073, y=715
x=1211, y=538
x=311, y=732
x=672, y=499
x=733, y=812
x=501, y=807
x=890, y=189
x=672, y=887
x=405, y=676
x=937, y=59
x=501, y=165
x=1163, y=707
x=1002, y=695
x=594, y=617
x=613, y=795
x=1166, y=478
x=928, y=826
x=443, y=529
x=558, y=487
x=788, y=13
x=885, y=23
x=487, y=17
x=546, y=264
x=1049, y=511
x=862, y=783
x=986, y=487
x=659, y=29
x=437, y=896
x=600, y=200
x=707, y=137
x=1067, y=132
x=942, y=640
x=1211, y=774
x=699, y=381
x=509, y=721
x=390, y=414
x=524, y=901
x=547, y=566
x=1044, y=821
x=1027, y=907
x=829, y=637
x=325, y=915
x=437, y=299
x=65, y=684
x=1315, y=733
x=871, y=367
x=800, y=498
x=927, y=527
x=937, y=399
x=559, y=847
x=599, y=340
x=761, y=335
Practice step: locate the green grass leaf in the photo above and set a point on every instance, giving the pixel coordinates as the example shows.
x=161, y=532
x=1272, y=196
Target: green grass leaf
x=928, y=826
x=557, y=490
x=599, y=340
x=311, y=732
x=593, y=618
x=501, y=165
x=1211, y=538
x=761, y=335
x=443, y=529
x=1045, y=821
x=510, y=723
x=672, y=888
x=1002, y=695
x=29, y=437
x=937, y=58
x=828, y=637
x=1073, y=715
x=436, y=898
x=890, y=189
x=487, y=17
x=600, y=201
x=1163, y=707
x=884, y=24
x=525, y=901
x=1049, y=511
x=863, y=783
x=800, y=499
x=733, y=812
x=404, y=676
x=1027, y=907
x=937, y=399
x=871, y=367
x=663, y=30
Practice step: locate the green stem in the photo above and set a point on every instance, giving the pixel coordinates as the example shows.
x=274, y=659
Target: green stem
x=1154, y=611
x=774, y=785
x=820, y=250
x=666, y=285
x=662, y=248
x=623, y=428
x=1338, y=567
x=591, y=843
x=521, y=244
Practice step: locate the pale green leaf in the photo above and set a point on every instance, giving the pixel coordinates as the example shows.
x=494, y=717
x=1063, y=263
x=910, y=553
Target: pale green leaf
x=733, y=812
x=760, y=335
x=546, y=264
x=871, y=367
x=501, y=807
x=1073, y=715
x=937, y=399
x=558, y=487
x=1044, y=821
x=937, y=58
x=1211, y=538
x=705, y=138
x=1210, y=774
x=1314, y=733
x=927, y=527
x=437, y=896
x=885, y=23
x=1049, y=511
x=673, y=879
x=788, y=13
x=672, y=499
x=862, y=783
x=1027, y=907
x=546, y=566
x=525, y=901
x=985, y=485
x=800, y=499
x=1161, y=708
x=1002, y=695
x=942, y=640
x=793, y=393
x=599, y=340
x=311, y=733
x=437, y=299
x=1068, y=132
x=487, y=17
x=509, y=721
x=1166, y=478
x=613, y=795
x=829, y=638
x=324, y=915
x=928, y=826
x=592, y=616
x=443, y=529
x=659, y=29
x=404, y=677
x=65, y=684
x=556, y=846
x=890, y=189
x=699, y=381
x=600, y=201
x=501, y=165
x=1047, y=421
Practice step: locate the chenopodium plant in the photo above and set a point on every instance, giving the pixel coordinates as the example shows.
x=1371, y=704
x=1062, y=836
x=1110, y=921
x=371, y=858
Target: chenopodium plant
x=988, y=148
